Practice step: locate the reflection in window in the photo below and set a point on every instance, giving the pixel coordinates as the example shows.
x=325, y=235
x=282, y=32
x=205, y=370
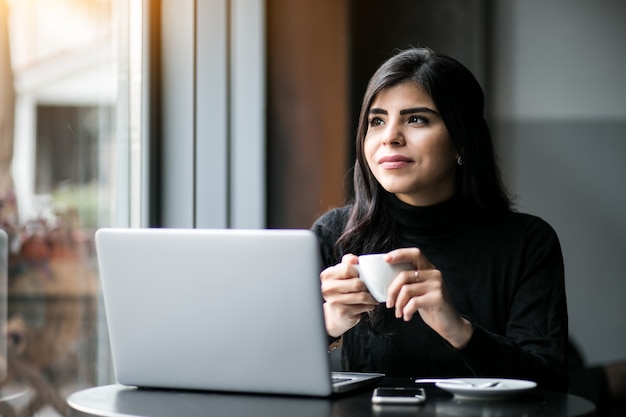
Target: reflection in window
x=61, y=143
x=67, y=145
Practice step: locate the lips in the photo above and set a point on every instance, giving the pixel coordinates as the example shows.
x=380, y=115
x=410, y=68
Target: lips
x=394, y=161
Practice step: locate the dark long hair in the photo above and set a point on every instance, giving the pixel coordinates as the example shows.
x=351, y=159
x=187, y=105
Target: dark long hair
x=460, y=100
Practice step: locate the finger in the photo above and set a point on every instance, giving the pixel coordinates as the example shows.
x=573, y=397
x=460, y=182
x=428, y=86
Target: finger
x=339, y=271
x=354, y=309
x=350, y=304
x=349, y=258
x=403, y=278
x=423, y=294
x=415, y=292
x=413, y=255
x=411, y=307
x=345, y=309
x=342, y=286
x=405, y=295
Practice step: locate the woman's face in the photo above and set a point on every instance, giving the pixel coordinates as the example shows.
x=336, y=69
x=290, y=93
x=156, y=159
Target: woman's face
x=408, y=148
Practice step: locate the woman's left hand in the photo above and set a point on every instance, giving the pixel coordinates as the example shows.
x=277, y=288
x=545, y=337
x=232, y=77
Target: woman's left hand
x=423, y=290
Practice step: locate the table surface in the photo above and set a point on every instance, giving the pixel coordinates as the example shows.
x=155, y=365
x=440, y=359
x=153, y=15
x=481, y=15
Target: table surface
x=117, y=400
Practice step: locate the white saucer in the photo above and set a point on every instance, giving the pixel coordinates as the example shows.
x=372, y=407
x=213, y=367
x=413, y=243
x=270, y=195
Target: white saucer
x=475, y=388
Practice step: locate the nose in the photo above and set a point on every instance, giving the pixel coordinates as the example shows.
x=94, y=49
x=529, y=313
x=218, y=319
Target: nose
x=392, y=135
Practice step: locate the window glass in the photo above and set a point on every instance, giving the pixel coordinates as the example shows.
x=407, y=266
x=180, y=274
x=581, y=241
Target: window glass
x=64, y=134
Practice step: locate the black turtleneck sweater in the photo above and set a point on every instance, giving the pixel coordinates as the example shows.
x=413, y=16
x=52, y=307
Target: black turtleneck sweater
x=504, y=275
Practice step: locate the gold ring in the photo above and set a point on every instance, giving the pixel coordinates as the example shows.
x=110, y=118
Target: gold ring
x=417, y=274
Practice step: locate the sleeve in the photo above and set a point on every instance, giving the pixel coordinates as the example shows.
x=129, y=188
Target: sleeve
x=328, y=228
x=535, y=344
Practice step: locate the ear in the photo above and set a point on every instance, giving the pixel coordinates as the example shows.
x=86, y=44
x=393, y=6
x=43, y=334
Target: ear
x=459, y=156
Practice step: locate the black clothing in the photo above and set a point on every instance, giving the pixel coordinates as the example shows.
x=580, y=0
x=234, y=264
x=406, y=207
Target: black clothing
x=504, y=275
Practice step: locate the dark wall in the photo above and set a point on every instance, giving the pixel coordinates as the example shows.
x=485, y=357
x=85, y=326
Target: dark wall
x=321, y=53
x=380, y=28
x=307, y=109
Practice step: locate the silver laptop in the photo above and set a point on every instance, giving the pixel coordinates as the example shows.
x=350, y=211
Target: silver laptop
x=220, y=310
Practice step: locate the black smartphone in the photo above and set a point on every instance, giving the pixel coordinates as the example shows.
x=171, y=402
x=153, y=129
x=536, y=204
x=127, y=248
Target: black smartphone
x=398, y=395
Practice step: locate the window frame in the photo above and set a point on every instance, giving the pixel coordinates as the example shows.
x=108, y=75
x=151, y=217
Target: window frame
x=207, y=132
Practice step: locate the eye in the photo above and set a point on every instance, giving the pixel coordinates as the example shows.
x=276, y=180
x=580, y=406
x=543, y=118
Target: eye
x=418, y=119
x=375, y=121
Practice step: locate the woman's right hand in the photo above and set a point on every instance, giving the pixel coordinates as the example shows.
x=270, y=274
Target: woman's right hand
x=345, y=295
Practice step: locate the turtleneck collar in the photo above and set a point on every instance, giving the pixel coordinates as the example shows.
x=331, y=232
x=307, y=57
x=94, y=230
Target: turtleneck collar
x=430, y=221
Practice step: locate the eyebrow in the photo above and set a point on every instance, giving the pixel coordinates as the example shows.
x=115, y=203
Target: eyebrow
x=406, y=111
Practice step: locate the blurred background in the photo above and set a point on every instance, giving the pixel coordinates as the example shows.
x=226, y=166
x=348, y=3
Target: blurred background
x=242, y=113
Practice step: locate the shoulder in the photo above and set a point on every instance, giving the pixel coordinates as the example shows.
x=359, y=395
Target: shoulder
x=328, y=228
x=333, y=220
x=529, y=224
x=516, y=231
x=535, y=236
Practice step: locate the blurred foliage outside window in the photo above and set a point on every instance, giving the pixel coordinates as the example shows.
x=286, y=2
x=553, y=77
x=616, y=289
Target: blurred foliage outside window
x=59, y=73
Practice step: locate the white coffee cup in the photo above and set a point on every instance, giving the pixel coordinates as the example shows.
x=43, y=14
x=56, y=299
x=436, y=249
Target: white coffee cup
x=378, y=274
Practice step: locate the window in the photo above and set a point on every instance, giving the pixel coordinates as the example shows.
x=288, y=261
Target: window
x=67, y=153
x=82, y=153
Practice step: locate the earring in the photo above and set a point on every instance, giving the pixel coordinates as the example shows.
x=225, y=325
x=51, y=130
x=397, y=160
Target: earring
x=459, y=160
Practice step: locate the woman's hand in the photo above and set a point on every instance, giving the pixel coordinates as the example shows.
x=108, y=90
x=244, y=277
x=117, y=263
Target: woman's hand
x=424, y=291
x=346, y=296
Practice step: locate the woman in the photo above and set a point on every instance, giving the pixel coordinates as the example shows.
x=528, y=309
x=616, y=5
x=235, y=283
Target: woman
x=486, y=296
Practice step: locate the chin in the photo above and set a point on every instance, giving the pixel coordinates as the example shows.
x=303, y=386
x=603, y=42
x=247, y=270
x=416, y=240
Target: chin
x=395, y=188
